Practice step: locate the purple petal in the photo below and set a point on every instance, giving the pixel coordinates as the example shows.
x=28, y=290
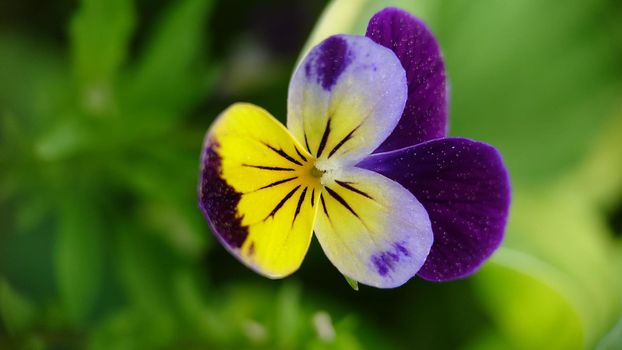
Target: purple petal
x=465, y=188
x=425, y=114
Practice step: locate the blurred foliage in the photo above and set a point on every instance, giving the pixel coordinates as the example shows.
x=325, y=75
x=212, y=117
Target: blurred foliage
x=101, y=122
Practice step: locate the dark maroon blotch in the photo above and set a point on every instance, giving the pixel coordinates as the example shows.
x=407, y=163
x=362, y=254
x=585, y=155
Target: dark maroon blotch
x=219, y=201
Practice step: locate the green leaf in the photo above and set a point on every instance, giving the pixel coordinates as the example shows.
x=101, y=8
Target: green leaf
x=32, y=91
x=147, y=266
x=605, y=157
x=557, y=242
x=170, y=70
x=100, y=34
x=527, y=312
x=353, y=283
x=79, y=255
x=287, y=316
x=613, y=339
x=168, y=211
x=17, y=312
x=131, y=328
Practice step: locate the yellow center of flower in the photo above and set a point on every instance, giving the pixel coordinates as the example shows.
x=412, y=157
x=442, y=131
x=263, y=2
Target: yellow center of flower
x=315, y=172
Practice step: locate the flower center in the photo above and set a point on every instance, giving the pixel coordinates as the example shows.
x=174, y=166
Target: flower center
x=315, y=172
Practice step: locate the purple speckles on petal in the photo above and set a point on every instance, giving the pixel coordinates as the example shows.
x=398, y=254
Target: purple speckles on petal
x=218, y=200
x=425, y=114
x=385, y=262
x=402, y=249
x=465, y=189
x=381, y=263
x=330, y=60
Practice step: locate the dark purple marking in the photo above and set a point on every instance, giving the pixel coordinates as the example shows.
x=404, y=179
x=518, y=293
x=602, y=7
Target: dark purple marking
x=263, y=167
x=381, y=265
x=304, y=159
x=324, y=139
x=307, y=143
x=425, y=114
x=219, y=201
x=341, y=201
x=282, y=202
x=386, y=261
x=276, y=183
x=465, y=188
x=324, y=205
x=342, y=142
x=299, y=205
x=348, y=185
x=312, y=198
x=283, y=154
x=328, y=60
x=251, y=249
x=402, y=249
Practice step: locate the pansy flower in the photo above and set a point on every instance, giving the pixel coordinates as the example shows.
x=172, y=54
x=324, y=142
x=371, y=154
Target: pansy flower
x=364, y=163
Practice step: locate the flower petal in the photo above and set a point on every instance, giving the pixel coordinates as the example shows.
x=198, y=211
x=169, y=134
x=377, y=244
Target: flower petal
x=371, y=228
x=425, y=114
x=345, y=99
x=256, y=190
x=465, y=188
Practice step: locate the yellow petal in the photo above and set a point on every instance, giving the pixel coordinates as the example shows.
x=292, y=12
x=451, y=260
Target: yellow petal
x=257, y=191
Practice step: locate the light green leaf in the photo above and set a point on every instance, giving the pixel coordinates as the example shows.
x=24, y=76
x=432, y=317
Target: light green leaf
x=353, y=283
x=79, y=256
x=613, y=339
x=556, y=241
x=605, y=158
x=528, y=313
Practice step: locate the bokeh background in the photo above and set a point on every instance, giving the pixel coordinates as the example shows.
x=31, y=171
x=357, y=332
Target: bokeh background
x=103, y=107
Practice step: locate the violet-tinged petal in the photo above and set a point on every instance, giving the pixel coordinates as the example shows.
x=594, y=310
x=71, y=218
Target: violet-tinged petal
x=425, y=114
x=371, y=228
x=465, y=188
x=345, y=98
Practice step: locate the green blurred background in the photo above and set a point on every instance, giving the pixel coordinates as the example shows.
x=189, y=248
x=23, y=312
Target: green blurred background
x=103, y=107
